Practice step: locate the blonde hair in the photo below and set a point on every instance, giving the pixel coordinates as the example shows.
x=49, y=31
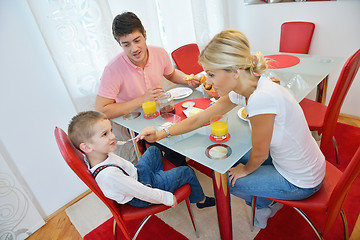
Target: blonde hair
x=80, y=127
x=230, y=50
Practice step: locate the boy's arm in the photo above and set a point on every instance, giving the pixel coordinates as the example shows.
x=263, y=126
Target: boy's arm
x=117, y=186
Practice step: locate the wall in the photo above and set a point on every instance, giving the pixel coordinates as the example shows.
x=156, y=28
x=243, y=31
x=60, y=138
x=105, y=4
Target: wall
x=33, y=101
x=337, y=25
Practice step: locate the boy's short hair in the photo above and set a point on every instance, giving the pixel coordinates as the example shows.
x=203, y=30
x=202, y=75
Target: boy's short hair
x=125, y=24
x=80, y=127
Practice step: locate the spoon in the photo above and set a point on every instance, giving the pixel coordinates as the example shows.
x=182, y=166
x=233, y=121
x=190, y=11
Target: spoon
x=122, y=142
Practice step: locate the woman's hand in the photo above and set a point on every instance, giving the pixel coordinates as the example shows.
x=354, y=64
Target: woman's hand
x=237, y=172
x=149, y=134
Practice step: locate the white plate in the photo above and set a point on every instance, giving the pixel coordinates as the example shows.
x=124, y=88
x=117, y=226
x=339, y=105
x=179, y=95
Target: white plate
x=180, y=92
x=239, y=114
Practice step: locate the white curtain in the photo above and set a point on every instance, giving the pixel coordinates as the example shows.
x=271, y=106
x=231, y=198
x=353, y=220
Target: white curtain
x=78, y=36
x=191, y=21
x=18, y=216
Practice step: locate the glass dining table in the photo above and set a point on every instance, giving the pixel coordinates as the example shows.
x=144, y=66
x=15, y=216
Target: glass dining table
x=299, y=79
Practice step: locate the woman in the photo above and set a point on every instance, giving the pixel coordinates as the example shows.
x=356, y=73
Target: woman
x=295, y=167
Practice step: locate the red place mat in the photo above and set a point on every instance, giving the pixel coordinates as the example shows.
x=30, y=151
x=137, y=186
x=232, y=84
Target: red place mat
x=202, y=103
x=281, y=61
x=220, y=141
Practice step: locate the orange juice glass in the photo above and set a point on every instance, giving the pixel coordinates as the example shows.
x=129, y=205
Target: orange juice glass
x=219, y=127
x=149, y=108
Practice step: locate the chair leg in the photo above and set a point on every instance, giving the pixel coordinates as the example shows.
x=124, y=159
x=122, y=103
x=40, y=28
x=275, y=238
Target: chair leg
x=336, y=150
x=140, y=227
x=318, y=234
x=115, y=232
x=253, y=208
x=346, y=230
x=191, y=216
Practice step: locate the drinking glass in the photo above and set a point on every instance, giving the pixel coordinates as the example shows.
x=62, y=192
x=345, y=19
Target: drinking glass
x=149, y=108
x=219, y=127
x=166, y=103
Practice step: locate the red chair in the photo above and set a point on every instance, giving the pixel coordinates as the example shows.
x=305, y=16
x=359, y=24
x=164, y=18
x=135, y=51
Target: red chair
x=124, y=212
x=323, y=118
x=329, y=200
x=186, y=59
x=296, y=37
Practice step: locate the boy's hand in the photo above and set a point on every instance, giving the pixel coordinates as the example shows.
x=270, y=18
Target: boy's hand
x=175, y=201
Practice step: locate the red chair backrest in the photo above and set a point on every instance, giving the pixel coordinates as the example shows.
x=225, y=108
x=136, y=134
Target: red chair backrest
x=341, y=190
x=75, y=160
x=186, y=59
x=296, y=37
x=342, y=87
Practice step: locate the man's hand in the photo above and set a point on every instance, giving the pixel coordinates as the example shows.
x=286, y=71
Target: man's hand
x=236, y=172
x=153, y=94
x=192, y=80
x=194, y=83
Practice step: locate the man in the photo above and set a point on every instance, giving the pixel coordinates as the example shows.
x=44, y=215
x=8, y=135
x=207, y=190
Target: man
x=134, y=76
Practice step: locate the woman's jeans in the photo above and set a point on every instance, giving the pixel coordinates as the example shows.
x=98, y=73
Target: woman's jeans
x=151, y=173
x=265, y=182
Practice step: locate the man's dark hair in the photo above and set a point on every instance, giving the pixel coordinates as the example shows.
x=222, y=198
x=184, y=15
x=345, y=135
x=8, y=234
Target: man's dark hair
x=126, y=23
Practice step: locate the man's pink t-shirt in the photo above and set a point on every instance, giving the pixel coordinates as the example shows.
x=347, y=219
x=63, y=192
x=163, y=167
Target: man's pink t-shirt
x=123, y=81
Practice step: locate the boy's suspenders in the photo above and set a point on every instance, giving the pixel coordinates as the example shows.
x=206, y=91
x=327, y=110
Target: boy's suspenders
x=96, y=172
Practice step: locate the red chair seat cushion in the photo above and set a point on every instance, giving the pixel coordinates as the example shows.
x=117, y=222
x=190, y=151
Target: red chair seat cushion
x=314, y=113
x=319, y=201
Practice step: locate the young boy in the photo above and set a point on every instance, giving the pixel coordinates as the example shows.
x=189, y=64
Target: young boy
x=141, y=185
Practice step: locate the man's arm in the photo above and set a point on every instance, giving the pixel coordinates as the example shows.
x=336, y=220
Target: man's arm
x=178, y=77
x=112, y=109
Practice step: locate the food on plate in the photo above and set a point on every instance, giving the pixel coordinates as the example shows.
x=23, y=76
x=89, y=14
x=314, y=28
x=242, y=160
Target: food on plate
x=193, y=111
x=275, y=79
x=189, y=77
x=188, y=104
x=243, y=113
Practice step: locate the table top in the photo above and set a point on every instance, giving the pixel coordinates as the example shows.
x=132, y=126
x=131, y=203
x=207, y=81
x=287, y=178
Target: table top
x=303, y=77
x=299, y=80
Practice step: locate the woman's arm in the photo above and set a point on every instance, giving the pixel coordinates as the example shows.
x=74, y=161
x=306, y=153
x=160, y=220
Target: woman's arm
x=262, y=130
x=222, y=106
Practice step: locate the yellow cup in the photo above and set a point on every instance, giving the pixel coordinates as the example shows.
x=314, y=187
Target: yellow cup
x=219, y=127
x=149, y=108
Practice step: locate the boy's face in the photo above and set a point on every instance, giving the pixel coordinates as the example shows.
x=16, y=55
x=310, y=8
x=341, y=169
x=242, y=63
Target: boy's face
x=134, y=45
x=103, y=140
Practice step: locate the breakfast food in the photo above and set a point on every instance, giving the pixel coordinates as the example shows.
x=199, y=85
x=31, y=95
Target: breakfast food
x=188, y=104
x=193, y=111
x=189, y=77
x=203, y=81
x=275, y=79
x=243, y=113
